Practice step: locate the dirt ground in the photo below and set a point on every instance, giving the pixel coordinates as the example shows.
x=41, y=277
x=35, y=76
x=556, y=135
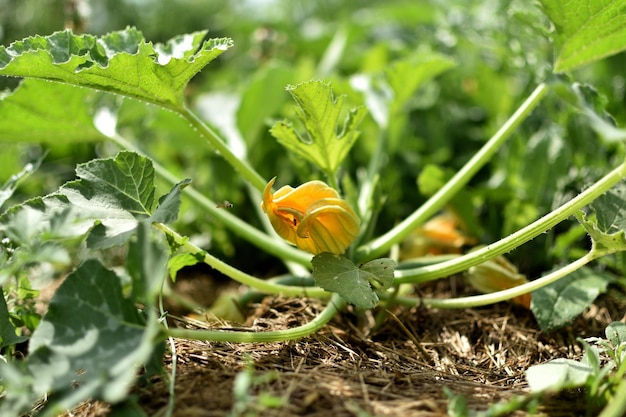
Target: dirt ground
x=349, y=368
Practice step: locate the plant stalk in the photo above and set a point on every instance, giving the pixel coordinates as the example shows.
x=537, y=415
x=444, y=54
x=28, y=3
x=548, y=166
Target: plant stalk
x=334, y=306
x=507, y=244
x=382, y=244
x=240, y=276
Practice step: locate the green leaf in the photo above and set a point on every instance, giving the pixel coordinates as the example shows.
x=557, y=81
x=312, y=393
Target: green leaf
x=108, y=200
x=557, y=375
x=8, y=337
x=559, y=303
x=586, y=30
x=118, y=193
x=43, y=112
x=90, y=344
x=356, y=285
x=608, y=226
x=121, y=62
x=325, y=143
x=179, y=261
x=169, y=204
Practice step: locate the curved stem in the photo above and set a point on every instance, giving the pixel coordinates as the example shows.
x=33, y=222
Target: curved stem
x=495, y=297
x=382, y=244
x=431, y=272
x=237, y=275
x=241, y=166
x=334, y=306
x=246, y=231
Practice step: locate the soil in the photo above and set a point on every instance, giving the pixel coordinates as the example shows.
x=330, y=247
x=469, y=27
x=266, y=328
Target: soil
x=410, y=365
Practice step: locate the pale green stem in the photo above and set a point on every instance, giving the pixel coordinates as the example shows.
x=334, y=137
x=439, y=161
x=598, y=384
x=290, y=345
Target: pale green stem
x=241, y=166
x=253, y=235
x=240, y=276
x=334, y=306
x=382, y=244
x=507, y=244
x=495, y=297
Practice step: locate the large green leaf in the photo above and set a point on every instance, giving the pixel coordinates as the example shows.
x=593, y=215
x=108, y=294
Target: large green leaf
x=43, y=112
x=121, y=62
x=90, y=344
x=586, y=30
x=326, y=141
x=356, y=285
x=559, y=303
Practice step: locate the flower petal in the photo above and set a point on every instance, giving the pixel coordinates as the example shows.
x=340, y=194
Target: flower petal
x=312, y=216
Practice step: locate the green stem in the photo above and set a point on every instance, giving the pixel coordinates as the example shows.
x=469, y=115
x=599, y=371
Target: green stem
x=334, y=306
x=382, y=244
x=253, y=235
x=241, y=166
x=237, y=275
x=495, y=297
x=507, y=244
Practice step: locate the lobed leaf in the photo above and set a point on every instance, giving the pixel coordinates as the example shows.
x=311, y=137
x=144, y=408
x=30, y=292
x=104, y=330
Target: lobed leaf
x=108, y=201
x=326, y=142
x=586, y=30
x=89, y=345
x=356, y=285
x=121, y=62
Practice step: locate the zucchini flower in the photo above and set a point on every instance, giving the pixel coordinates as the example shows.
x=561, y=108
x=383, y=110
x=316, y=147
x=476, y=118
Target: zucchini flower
x=312, y=216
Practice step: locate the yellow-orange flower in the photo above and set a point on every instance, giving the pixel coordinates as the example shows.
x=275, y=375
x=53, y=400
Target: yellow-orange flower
x=312, y=216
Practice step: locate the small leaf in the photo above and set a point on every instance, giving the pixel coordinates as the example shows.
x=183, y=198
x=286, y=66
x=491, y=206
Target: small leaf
x=586, y=30
x=326, y=143
x=559, y=303
x=43, y=112
x=179, y=261
x=557, y=375
x=89, y=345
x=357, y=286
x=121, y=62
x=169, y=204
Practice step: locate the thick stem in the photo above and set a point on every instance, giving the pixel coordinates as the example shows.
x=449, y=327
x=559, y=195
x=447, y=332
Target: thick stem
x=334, y=306
x=241, y=166
x=496, y=297
x=382, y=244
x=443, y=269
x=239, y=276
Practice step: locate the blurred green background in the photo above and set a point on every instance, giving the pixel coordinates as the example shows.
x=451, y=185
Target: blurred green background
x=501, y=50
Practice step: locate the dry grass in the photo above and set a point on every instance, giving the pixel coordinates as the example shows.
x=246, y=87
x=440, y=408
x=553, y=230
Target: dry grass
x=351, y=368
